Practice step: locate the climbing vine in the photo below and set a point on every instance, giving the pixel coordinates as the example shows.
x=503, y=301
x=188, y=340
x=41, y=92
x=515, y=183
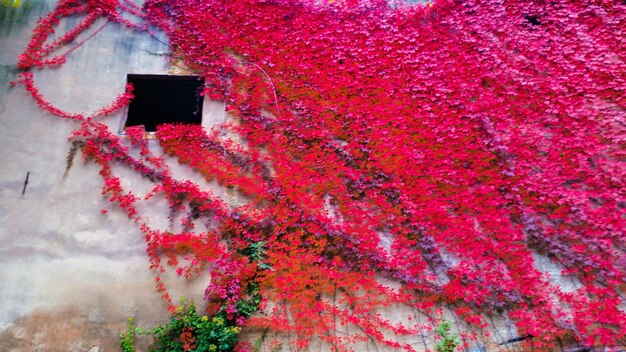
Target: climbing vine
x=391, y=155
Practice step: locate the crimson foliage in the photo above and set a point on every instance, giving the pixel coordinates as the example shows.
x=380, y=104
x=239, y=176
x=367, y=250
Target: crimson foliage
x=441, y=147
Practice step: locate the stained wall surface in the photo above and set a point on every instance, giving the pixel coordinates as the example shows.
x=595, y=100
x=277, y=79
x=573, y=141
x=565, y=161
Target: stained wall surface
x=69, y=275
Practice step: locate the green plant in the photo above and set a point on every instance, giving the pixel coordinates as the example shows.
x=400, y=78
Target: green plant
x=13, y=3
x=256, y=253
x=259, y=341
x=186, y=331
x=127, y=340
x=447, y=342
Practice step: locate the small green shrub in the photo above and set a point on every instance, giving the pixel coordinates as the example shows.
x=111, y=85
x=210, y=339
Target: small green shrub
x=447, y=342
x=127, y=340
x=187, y=331
x=12, y=3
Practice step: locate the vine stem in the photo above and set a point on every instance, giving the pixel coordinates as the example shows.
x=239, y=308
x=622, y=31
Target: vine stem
x=269, y=79
x=79, y=44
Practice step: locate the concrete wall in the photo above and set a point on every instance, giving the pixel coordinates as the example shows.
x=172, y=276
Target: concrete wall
x=69, y=275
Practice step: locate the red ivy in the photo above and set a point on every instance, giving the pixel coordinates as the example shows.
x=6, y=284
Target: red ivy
x=438, y=147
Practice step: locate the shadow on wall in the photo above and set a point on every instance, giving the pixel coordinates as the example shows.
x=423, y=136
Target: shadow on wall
x=15, y=15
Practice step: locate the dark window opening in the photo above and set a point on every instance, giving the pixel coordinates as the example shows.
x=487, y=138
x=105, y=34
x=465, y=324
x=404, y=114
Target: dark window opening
x=532, y=19
x=161, y=99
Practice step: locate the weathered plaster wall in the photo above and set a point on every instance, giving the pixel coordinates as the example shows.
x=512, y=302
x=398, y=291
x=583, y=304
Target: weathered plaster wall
x=70, y=276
